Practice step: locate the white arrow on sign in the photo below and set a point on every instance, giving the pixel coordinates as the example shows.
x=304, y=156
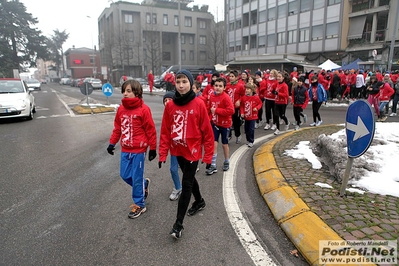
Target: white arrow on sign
x=360, y=129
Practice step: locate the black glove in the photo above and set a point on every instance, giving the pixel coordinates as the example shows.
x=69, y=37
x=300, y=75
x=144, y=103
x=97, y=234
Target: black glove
x=111, y=149
x=152, y=154
x=275, y=92
x=160, y=164
x=208, y=165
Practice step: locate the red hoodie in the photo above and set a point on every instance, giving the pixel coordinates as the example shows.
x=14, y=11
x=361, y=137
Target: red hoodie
x=185, y=131
x=224, y=109
x=386, y=92
x=247, y=106
x=282, y=93
x=134, y=127
x=271, y=85
x=235, y=91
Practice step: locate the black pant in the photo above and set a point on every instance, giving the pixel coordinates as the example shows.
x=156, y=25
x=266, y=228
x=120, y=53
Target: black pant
x=297, y=114
x=260, y=113
x=279, y=112
x=249, y=127
x=189, y=185
x=237, y=122
x=269, y=109
x=315, y=108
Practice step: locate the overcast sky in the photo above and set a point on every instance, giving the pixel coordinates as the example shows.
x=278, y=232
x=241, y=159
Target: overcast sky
x=71, y=16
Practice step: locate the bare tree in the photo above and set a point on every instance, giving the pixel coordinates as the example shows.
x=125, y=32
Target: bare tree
x=217, y=43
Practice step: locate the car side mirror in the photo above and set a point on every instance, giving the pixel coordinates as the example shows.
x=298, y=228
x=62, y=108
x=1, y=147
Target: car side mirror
x=31, y=89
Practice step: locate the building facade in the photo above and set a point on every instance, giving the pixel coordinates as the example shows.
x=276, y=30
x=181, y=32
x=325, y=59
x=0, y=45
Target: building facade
x=339, y=30
x=82, y=63
x=136, y=38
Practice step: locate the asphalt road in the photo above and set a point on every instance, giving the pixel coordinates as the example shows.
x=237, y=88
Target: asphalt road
x=63, y=203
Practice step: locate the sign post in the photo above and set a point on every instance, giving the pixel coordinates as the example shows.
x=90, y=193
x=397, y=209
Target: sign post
x=360, y=127
x=107, y=90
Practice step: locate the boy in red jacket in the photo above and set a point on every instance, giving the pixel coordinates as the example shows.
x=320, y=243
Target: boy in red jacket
x=384, y=96
x=281, y=102
x=221, y=109
x=249, y=109
x=236, y=90
x=135, y=129
x=185, y=131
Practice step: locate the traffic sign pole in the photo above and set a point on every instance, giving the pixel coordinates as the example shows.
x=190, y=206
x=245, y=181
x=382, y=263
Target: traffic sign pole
x=348, y=169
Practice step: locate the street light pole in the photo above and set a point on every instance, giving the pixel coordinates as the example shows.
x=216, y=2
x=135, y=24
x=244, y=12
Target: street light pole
x=179, y=36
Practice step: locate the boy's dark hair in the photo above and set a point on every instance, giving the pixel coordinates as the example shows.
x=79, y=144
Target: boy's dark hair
x=221, y=80
x=251, y=86
x=234, y=72
x=136, y=87
x=197, y=84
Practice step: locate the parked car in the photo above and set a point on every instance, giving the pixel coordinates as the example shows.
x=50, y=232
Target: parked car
x=142, y=81
x=65, y=81
x=194, y=69
x=16, y=99
x=34, y=83
x=121, y=80
x=96, y=84
x=43, y=81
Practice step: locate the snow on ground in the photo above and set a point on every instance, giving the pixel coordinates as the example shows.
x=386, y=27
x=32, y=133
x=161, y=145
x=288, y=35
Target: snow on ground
x=384, y=179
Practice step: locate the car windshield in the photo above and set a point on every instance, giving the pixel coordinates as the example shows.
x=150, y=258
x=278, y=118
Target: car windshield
x=32, y=81
x=11, y=87
x=96, y=80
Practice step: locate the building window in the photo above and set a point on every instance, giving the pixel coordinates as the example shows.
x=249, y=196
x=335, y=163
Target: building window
x=292, y=7
x=271, y=40
x=183, y=55
x=202, y=55
x=238, y=3
x=318, y=4
x=154, y=18
x=129, y=18
x=304, y=35
x=129, y=35
x=332, y=30
x=191, y=55
x=165, y=39
x=282, y=11
x=262, y=16
x=232, y=4
x=202, y=40
x=183, y=39
x=231, y=26
x=305, y=5
x=238, y=24
x=148, y=18
x=191, y=39
x=292, y=36
x=280, y=38
x=165, y=19
x=271, y=13
x=176, y=20
x=188, y=22
x=166, y=56
x=231, y=47
x=333, y=2
x=202, y=24
x=262, y=41
x=238, y=45
x=317, y=32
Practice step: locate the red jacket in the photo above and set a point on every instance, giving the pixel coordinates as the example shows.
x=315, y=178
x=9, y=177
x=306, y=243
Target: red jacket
x=271, y=85
x=247, y=106
x=282, y=93
x=185, y=131
x=386, y=92
x=300, y=97
x=208, y=90
x=224, y=109
x=261, y=89
x=134, y=127
x=235, y=91
x=150, y=78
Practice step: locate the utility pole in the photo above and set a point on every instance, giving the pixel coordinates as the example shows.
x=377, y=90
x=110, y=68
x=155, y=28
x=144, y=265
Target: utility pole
x=395, y=29
x=179, y=36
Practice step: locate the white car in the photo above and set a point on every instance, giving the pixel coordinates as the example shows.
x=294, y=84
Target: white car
x=16, y=99
x=34, y=83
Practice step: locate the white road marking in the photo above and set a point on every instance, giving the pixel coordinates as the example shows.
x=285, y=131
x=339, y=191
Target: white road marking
x=71, y=113
x=239, y=220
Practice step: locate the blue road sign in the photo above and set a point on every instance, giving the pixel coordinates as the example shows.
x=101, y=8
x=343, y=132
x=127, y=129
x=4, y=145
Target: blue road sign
x=107, y=89
x=360, y=127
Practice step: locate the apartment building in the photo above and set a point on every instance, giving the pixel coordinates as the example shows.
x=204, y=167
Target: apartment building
x=293, y=32
x=135, y=38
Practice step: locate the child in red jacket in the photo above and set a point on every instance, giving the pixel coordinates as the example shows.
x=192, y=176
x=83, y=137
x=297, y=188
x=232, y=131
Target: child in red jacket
x=220, y=109
x=249, y=109
x=384, y=96
x=281, y=102
x=300, y=99
x=135, y=129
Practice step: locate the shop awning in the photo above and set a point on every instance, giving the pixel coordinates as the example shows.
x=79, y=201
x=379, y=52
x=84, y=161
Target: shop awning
x=356, y=27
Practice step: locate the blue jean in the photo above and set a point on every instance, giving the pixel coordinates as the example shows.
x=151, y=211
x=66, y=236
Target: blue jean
x=382, y=107
x=249, y=127
x=174, y=171
x=132, y=172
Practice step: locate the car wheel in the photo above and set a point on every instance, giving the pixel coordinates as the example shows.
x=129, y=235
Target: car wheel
x=30, y=116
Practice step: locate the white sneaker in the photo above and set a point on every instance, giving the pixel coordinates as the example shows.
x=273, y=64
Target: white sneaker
x=238, y=140
x=256, y=125
x=267, y=126
x=273, y=127
x=319, y=123
x=392, y=114
x=250, y=145
x=175, y=194
x=276, y=132
x=313, y=124
x=305, y=118
x=287, y=127
x=296, y=128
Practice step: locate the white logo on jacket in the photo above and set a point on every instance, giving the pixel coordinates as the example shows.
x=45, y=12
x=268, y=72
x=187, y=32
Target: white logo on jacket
x=179, y=127
x=127, y=131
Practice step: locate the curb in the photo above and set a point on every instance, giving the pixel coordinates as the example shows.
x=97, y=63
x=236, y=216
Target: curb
x=303, y=227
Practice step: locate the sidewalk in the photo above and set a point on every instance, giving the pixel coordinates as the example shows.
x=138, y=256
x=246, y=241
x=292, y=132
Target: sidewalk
x=309, y=213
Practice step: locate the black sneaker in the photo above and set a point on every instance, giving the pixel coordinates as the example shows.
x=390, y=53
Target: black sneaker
x=136, y=211
x=196, y=207
x=176, y=230
x=146, y=190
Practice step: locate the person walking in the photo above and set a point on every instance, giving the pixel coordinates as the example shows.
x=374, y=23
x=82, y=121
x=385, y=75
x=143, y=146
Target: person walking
x=135, y=129
x=249, y=109
x=185, y=132
x=270, y=97
x=300, y=99
x=150, y=79
x=281, y=100
x=318, y=96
